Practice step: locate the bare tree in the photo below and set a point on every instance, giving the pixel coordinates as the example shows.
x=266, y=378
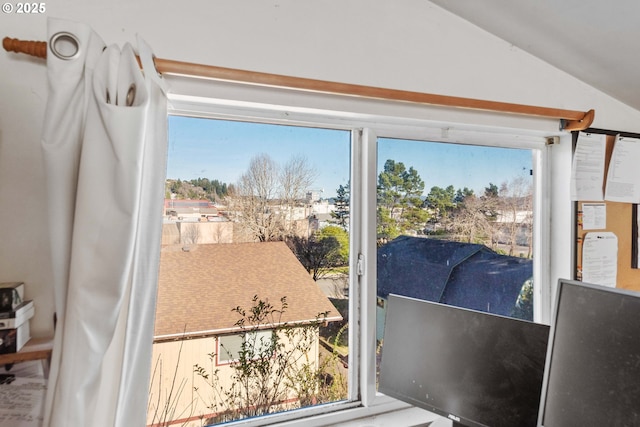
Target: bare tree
x=469, y=221
x=296, y=176
x=266, y=194
x=516, y=204
x=252, y=199
x=473, y=219
x=261, y=178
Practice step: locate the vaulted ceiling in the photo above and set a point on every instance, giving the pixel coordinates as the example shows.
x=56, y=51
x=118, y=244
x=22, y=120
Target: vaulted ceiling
x=597, y=41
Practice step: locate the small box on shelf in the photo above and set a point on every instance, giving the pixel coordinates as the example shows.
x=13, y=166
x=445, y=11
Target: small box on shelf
x=15, y=314
x=12, y=340
x=11, y=295
x=13, y=319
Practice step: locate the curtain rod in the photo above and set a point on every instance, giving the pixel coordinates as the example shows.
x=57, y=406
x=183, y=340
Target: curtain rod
x=570, y=120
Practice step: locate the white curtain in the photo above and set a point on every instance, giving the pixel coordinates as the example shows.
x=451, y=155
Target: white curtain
x=104, y=143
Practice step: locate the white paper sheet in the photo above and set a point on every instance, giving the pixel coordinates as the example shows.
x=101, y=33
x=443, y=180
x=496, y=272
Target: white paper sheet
x=623, y=179
x=22, y=402
x=594, y=216
x=600, y=258
x=587, y=169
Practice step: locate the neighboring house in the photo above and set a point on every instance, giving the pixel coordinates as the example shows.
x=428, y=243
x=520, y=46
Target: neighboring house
x=461, y=274
x=519, y=216
x=188, y=208
x=324, y=219
x=198, y=289
x=219, y=230
x=323, y=207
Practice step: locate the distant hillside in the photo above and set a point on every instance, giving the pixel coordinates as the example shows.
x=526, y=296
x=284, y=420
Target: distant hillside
x=201, y=188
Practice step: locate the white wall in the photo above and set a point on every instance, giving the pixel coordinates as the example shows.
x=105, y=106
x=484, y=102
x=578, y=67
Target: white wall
x=404, y=44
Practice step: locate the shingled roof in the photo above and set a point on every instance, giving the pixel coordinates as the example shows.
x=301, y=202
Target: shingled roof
x=199, y=287
x=462, y=274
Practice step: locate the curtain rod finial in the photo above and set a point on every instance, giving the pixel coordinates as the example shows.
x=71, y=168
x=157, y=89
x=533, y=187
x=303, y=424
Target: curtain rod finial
x=33, y=48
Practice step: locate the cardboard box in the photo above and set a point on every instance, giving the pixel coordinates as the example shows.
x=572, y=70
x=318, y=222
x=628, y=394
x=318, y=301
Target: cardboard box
x=11, y=295
x=12, y=340
x=15, y=318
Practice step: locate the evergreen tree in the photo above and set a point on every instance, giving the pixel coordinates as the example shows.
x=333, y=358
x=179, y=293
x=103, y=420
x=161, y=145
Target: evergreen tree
x=491, y=190
x=341, y=212
x=400, y=207
x=441, y=200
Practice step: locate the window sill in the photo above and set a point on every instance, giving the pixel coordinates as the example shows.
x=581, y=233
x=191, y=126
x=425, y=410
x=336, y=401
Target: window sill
x=408, y=416
x=386, y=411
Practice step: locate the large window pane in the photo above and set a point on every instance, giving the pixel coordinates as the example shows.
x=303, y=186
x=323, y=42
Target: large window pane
x=454, y=225
x=252, y=305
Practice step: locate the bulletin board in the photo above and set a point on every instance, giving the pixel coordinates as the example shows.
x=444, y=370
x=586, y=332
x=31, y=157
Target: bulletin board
x=621, y=219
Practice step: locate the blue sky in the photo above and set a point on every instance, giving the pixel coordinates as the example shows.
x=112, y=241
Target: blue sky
x=471, y=166
x=219, y=149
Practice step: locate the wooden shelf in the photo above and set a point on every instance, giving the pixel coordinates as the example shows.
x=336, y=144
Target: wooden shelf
x=34, y=349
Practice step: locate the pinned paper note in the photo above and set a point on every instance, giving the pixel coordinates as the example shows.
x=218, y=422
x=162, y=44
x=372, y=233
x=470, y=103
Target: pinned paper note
x=594, y=216
x=587, y=169
x=623, y=180
x=600, y=258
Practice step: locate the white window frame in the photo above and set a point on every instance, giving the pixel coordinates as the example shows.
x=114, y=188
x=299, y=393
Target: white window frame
x=366, y=128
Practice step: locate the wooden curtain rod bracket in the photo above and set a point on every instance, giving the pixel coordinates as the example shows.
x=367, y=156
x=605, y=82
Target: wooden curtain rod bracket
x=581, y=124
x=571, y=119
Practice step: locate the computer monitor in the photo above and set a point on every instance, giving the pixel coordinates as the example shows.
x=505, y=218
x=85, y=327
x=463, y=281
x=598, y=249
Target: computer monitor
x=593, y=366
x=475, y=368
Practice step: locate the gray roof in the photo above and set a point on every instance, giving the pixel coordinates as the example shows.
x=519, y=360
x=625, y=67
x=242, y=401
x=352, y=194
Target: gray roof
x=462, y=274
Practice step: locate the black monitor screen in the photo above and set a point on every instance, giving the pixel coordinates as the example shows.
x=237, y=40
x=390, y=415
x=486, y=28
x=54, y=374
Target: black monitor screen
x=593, y=370
x=476, y=368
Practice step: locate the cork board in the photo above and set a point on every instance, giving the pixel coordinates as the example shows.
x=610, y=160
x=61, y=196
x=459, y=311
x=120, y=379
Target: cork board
x=621, y=218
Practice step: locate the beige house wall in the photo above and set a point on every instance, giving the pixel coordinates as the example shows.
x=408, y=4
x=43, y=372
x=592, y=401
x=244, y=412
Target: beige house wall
x=174, y=233
x=173, y=380
x=171, y=391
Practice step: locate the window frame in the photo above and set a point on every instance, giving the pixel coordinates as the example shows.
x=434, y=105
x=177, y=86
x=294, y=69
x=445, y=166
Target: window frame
x=364, y=400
